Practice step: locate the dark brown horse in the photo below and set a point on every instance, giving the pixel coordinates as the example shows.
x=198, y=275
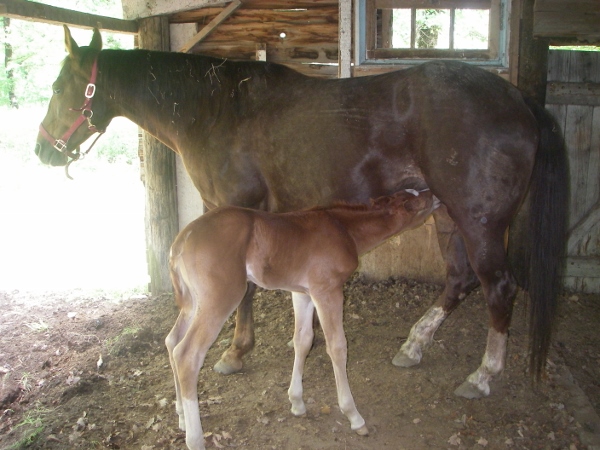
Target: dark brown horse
x=311, y=253
x=262, y=136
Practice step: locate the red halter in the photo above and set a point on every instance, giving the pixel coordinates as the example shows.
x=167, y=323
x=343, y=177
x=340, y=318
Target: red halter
x=86, y=114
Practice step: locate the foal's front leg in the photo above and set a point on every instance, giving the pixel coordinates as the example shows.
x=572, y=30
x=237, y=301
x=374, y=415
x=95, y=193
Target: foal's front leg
x=330, y=310
x=303, y=337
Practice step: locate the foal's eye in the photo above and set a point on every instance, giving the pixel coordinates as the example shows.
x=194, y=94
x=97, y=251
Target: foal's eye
x=56, y=90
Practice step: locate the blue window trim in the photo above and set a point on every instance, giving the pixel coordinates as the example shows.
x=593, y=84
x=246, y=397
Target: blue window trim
x=360, y=41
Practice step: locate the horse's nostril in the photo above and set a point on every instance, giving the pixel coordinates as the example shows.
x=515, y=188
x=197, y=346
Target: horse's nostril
x=38, y=147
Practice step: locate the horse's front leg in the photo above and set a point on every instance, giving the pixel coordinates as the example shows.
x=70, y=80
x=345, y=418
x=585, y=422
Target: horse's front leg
x=460, y=281
x=243, y=336
x=303, y=336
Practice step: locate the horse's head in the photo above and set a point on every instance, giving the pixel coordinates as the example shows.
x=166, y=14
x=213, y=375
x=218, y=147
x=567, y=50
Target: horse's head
x=70, y=118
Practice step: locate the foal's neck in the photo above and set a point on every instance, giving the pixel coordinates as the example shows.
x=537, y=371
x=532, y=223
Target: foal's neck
x=370, y=228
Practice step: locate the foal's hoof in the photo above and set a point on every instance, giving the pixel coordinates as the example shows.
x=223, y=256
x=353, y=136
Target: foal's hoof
x=403, y=360
x=362, y=431
x=470, y=391
x=227, y=366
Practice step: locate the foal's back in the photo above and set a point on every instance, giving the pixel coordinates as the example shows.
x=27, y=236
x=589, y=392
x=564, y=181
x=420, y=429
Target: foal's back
x=275, y=251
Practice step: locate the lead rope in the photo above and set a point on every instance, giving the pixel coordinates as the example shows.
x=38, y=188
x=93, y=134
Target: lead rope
x=77, y=155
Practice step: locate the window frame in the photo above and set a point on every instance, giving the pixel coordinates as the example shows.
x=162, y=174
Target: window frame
x=366, y=52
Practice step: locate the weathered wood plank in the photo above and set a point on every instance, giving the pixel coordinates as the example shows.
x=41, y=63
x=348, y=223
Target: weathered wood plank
x=299, y=33
x=288, y=4
x=246, y=50
x=558, y=6
x=583, y=266
x=583, y=228
x=214, y=23
x=242, y=15
x=573, y=93
x=578, y=141
x=567, y=24
x=25, y=10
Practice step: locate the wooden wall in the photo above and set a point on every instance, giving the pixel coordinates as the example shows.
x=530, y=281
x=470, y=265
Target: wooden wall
x=573, y=97
x=294, y=34
x=567, y=20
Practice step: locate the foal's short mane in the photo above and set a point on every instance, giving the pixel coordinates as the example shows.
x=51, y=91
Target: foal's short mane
x=374, y=205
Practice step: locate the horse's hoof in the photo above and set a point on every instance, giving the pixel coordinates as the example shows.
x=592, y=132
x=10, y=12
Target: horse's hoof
x=227, y=367
x=470, y=391
x=299, y=410
x=403, y=360
x=362, y=431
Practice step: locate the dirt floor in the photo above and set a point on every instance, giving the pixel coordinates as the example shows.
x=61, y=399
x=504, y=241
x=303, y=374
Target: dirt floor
x=53, y=395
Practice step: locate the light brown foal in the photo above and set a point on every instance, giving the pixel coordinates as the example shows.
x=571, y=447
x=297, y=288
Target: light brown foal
x=310, y=253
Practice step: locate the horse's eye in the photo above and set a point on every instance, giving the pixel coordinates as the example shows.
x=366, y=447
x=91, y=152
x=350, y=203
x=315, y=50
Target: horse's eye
x=56, y=90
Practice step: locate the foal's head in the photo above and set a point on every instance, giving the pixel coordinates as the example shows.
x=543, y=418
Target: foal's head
x=410, y=206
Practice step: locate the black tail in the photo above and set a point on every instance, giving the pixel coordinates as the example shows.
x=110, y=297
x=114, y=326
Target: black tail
x=548, y=215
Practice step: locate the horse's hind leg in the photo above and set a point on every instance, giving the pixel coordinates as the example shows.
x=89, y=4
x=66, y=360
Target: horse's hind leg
x=460, y=281
x=303, y=336
x=243, y=336
x=488, y=256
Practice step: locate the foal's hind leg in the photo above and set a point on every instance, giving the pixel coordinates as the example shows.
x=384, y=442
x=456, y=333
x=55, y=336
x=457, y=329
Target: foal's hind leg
x=173, y=338
x=243, y=336
x=460, y=281
x=303, y=336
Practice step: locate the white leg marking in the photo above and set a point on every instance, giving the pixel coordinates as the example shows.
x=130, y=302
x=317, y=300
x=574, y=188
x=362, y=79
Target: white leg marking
x=477, y=384
x=303, y=337
x=420, y=336
x=194, y=436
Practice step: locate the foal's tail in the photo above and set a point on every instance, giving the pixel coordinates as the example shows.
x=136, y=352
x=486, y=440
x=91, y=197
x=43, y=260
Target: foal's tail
x=548, y=215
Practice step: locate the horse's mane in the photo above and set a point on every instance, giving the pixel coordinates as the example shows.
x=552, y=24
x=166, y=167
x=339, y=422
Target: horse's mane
x=181, y=74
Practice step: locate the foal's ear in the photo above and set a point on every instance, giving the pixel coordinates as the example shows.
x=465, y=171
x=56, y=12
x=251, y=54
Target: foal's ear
x=70, y=44
x=96, y=43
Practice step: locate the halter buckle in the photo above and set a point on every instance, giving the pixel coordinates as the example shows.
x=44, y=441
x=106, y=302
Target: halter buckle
x=60, y=145
x=90, y=90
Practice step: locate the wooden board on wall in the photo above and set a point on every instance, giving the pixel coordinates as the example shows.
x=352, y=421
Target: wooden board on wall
x=309, y=35
x=579, y=117
x=578, y=19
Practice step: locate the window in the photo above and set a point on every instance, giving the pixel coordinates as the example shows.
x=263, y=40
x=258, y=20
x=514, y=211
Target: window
x=413, y=30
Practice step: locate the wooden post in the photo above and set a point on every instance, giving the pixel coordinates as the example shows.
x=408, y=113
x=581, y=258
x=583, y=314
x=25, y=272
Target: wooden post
x=160, y=175
x=345, y=39
x=532, y=80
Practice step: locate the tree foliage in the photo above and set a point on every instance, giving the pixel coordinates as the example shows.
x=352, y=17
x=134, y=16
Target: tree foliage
x=37, y=50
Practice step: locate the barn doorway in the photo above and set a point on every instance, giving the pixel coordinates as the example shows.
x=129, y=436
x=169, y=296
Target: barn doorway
x=86, y=233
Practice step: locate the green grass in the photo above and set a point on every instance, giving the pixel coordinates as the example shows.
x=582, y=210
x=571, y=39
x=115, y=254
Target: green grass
x=33, y=426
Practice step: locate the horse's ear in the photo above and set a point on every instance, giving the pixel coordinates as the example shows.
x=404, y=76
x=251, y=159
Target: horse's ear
x=70, y=44
x=96, y=43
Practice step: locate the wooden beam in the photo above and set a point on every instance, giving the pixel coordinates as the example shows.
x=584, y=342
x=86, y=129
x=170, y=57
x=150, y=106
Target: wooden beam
x=235, y=4
x=345, y=39
x=162, y=223
x=38, y=12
